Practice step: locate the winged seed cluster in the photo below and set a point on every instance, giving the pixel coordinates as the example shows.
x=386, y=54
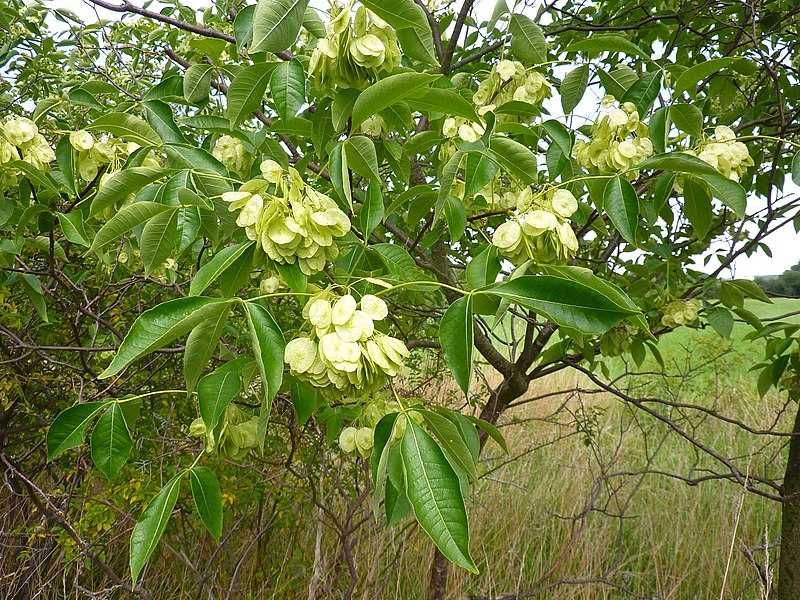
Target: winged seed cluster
x=292, y=221
x=723, y=152
x=618, y=140
x=355, y=51
x=20, y=140
x=232, y=153
x=343, y=349
x=510, y=81
x=539, y=228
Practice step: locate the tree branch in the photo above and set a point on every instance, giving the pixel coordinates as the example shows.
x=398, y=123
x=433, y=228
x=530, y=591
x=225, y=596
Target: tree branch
x=156, y=16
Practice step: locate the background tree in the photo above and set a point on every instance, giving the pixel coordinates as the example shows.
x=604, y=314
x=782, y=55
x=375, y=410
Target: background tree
x=785, y=284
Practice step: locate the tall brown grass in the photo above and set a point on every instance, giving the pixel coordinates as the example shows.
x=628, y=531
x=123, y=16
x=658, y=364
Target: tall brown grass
x=575, y=511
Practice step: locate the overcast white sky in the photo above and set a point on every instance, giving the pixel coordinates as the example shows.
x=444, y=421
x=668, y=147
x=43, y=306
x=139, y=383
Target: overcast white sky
x=785, y=243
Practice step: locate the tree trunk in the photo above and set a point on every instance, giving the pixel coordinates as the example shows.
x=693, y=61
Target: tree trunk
x=512, y=387
x=789, y=565
x=439, y=570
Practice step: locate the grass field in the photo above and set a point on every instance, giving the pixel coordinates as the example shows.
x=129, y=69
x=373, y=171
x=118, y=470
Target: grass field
x=592, y=502
x=586, y=512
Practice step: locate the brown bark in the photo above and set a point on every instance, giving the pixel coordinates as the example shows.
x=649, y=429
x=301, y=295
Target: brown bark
x=789, y=564
x=510, y=389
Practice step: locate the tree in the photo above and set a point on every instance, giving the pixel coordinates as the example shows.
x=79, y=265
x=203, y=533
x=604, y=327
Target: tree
x=309, y=198
x=785, y=284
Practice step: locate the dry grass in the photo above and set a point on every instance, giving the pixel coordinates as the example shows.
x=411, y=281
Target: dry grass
x=570, y=514
x=573, y=517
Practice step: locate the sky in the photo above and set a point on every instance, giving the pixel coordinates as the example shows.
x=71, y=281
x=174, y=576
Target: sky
x=785, y=243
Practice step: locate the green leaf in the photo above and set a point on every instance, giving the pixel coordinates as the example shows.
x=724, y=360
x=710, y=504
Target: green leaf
x=33, y=288
x=601, y=285
x=124, y=221
x=313, y=23
x=688, y=80
x=396, y=504
x=340, y=176
x=210, y=123
x=148, y=530
x=111, y=441
x=455, y=216
x=342, y=107
x=372, y=210
x=400, y=14
x=727, y=191
x=483, y=269
x=568, y=303
x=721, y=320
x=448, y=102
x=515, y=158
x=128, y=127
x=688, y=118
x=748, y=289
x=420, y=143
x=386, y=92
x=617, y=81
x=450, y=441
x=383, y=446
x=466, y=429
x=492, y=431
x=268, y=344
x=159, y=239
x=305, y=400
x=412, y=27
x=65, y=157
x=276, y=24
x=417, y=43
x=659, y=128
x=608, y=43
x=197, y=159
x=697, y=207
x=288, y=88
x=188, y=225
x=559, y=133
x=679, y=162
x=216, y=390
x=479, y=171
x=361, y=157
x=573, y=87
x=197, y=82
x=622, y=207
x=527, y=40
x=434, y=491
x=644, y=92
x=447, y=178
x=207, y=497
x=73, y=228
x=160, y=117
x=500, y=9
x=243, y=26
x=35, y=176
x=169, y=88
x=69, y=427
x=158, y=326
x=222, y=260
x=201, y=343
x=294, y=126
x=122, y=183
x=796, y=169
x=293, y=276
x=382, y=438
x=456, y=338
x=247, y=91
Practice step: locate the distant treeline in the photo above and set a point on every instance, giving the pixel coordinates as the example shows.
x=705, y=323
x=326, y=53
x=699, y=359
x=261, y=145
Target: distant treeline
x=786, y=284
